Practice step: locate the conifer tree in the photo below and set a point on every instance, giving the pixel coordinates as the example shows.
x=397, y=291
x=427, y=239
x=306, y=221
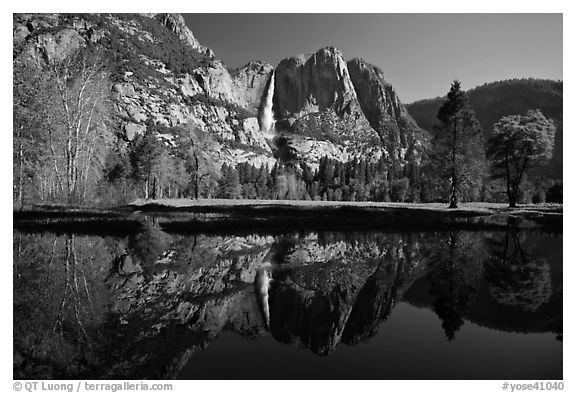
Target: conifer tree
x=458, y=147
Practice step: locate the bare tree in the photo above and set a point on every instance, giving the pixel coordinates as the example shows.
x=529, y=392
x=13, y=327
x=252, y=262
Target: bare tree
x=28, y=138
x=80, y=111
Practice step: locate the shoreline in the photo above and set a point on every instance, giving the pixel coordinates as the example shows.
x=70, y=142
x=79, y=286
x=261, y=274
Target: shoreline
x=235, y=216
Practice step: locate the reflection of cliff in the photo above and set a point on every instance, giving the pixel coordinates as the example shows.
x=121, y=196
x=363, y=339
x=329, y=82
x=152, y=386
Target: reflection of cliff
x=375, y=302
x=205, y=285
x=139, y=307
x=313, y=303
x=335, y=280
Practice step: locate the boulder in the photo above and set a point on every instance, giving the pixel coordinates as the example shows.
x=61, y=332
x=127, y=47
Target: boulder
x=136, y=114
x=19, y=33
x=56, y=47
x=132, y=129
x=124, y=89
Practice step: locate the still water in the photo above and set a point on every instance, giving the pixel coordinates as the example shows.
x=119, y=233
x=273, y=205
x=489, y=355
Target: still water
x=310, y=305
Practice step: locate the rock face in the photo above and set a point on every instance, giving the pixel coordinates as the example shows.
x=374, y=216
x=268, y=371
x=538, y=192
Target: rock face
x=176, y=23
x=313, y=83
x=381, y=105
x=318, y=105
x=60, y=45
x=349, y=105
x=250, y=84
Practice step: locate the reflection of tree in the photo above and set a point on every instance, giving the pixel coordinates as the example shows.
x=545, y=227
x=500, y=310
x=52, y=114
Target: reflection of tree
x=59, y=302
x=280, y=249
x=455, y=279
x=517, y=278
x=149, y=245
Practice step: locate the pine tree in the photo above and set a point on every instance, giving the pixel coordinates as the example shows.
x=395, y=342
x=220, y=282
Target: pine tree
x=458, y=147
x=249, y=191
x=326, y=171
x=307, y=174
x=230, y=187
x=261, y=182
x=145, y=153
x=412, y=172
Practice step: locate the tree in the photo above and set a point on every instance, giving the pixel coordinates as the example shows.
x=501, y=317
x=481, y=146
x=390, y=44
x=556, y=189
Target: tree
x=61, y=126
x=458, y=147
x=193, y=147
x=262, y=181
x=229, y=184
x=28, y=139
x=80, y=109
x=399, y=189
x=249, y=191
x=144, y=157
x=325, y=171
x=554, y=193
x=518, y=143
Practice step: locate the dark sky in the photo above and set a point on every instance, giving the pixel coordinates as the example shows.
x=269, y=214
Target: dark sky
x=419, y=53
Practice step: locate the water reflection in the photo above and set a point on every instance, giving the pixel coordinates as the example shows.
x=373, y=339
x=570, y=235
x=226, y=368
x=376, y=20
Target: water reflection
x=142, y=306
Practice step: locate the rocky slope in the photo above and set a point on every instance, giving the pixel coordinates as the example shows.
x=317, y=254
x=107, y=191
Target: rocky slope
x=160, y=73
x=164, y=76
x=177, y=25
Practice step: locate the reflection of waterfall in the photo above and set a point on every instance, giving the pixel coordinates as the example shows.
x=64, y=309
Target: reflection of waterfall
x=267, y=116
x=262, y=284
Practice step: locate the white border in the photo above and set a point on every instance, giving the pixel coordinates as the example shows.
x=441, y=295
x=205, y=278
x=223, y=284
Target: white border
x=258, y=6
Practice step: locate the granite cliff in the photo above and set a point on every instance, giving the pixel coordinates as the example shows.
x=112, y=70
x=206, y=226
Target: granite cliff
x=161, y=73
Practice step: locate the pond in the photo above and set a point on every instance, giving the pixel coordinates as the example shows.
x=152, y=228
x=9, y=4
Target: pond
x=303, y=305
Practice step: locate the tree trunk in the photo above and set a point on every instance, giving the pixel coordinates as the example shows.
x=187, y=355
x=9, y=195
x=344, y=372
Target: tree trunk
x=453, y=198
x=509, y=193
x=154, y=188
x=453, y=180
x=20, y=170
x=196, y=181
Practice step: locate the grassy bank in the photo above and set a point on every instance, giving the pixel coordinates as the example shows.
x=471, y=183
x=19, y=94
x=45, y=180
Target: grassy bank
x=234, y=216
x=249, y=215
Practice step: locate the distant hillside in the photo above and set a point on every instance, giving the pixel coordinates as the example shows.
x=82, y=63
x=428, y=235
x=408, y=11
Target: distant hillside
x=492, y=101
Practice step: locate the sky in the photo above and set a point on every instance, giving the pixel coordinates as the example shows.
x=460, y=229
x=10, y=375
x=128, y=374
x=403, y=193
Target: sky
x=420, y=54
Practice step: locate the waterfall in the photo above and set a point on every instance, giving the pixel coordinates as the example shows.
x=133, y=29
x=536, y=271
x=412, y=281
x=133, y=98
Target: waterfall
x=267, y=119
